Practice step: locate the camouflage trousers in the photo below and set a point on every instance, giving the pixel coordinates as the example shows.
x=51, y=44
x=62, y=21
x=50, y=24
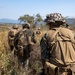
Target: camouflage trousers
x=24, y=64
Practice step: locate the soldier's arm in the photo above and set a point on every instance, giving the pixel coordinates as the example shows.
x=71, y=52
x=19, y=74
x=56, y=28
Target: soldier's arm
x=44, y=49
x=16, y=41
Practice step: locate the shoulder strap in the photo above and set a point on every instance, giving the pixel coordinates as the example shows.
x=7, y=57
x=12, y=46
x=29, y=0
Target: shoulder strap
x=56, y=33
x=27, y=36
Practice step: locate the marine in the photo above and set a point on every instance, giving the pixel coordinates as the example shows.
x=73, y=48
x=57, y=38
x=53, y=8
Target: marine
x=58, y=47
x=24, y=43
x=38, y=31
x=11, y=35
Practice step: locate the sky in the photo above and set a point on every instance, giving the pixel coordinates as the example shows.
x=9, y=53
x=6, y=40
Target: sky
x=13, y=9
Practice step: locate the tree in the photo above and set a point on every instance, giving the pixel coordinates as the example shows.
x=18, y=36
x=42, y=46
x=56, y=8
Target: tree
x=33, y=20
x=38, y=17
x=27, y=18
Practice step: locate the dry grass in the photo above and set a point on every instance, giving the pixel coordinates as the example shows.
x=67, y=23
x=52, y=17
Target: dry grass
x=39, y=36
x=8, y=66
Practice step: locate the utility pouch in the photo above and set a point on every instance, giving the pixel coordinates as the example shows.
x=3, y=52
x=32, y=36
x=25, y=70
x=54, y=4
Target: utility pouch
x=20, y=50
x=50, y=69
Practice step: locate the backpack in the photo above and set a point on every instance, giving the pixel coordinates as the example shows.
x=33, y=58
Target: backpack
x=11, y=36
x=62, y=51
x=24, y=43
x=62, y=46
x=23, y=38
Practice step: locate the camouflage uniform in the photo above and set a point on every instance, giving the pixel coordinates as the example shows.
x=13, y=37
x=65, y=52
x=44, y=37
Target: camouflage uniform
x=58, y=48
x=25, y=45
x=11, y=36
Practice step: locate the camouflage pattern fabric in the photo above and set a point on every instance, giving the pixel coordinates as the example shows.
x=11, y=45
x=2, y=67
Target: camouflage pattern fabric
x=26, y=25
x=60, y=49
x=24, y=41
x=11, y=36
x=53, y=17
x=15, y=27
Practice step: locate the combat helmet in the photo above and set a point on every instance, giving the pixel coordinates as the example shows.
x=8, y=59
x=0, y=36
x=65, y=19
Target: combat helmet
x=15, y=27
x=55, y=17
x=26, y=25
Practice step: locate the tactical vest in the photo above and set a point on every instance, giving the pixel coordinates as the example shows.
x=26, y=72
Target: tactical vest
x=11, y=36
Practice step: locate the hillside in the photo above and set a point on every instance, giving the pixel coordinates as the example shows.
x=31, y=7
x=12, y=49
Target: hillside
x=6, y=20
